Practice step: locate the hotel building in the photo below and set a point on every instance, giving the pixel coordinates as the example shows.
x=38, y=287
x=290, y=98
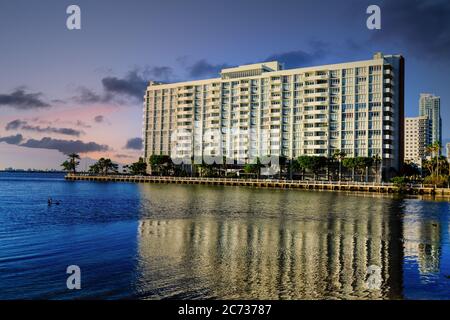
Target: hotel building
x=261, y=109
x=417, y=138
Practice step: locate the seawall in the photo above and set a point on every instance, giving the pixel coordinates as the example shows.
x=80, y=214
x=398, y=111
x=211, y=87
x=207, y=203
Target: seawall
x=269, y=183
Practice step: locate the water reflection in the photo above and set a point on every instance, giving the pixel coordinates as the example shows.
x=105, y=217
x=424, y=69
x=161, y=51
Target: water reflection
x=425, y=233
x=266, y=244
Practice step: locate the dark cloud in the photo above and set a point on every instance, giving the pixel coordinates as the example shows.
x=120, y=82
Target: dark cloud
x=134, y=144
x=203, y=68
x=65, y=146
x=423, y=27
x=87, y=96
x=15, y=124
x=21, y=100
x=99, y=119
x=301, y=58
x=16, y=139
x=132, y=85
x=23, y=125
x=121, y=90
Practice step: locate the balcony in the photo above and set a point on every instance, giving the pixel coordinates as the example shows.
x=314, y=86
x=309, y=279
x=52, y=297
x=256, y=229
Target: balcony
x=185, y=90
x=278, y=81
x=185, y=104
x=184, y=112
x=317, y=77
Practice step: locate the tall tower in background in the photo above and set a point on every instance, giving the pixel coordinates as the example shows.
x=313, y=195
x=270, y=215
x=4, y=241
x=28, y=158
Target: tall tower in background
x=430, y=106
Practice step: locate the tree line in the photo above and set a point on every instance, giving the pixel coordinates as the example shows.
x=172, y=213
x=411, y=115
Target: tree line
x=435, y=170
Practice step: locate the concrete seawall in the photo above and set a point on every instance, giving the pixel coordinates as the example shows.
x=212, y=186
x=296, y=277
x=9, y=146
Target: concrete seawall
x=269, y=183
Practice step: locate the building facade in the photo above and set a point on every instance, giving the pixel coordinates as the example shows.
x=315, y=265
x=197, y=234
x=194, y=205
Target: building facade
x=430, y=106
x=417, y=138
x=260, y=109
x=448, y=151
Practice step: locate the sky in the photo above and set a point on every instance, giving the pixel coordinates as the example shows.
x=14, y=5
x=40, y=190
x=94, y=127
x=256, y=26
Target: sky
x=82, y=90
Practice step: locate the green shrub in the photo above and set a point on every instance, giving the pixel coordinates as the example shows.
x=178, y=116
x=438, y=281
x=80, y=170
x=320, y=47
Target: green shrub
x=439, y=181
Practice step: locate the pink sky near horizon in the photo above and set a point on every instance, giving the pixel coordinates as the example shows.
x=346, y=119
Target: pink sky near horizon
x=120, y=124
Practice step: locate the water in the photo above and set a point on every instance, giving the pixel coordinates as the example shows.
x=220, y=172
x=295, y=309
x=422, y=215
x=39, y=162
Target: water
x=173, y=241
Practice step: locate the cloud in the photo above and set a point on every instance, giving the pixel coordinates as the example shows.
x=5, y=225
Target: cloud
x=65, y=146
x=301, y=58
x=134, y=144
x=132, y=85
x=423, y=27
x=21, y=100
x=123, y=156
x=99, y=119
x=87, y=96
x=23, y=125
x=121, y=90
x=14, y=125
x=203, y=68
x=16, y=139
x=81, y=124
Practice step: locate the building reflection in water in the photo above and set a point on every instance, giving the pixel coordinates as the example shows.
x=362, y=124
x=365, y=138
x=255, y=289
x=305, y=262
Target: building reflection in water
x=422, y=234
x=266, y=244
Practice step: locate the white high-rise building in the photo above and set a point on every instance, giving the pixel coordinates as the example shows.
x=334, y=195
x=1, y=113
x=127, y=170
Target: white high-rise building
x=417, y=138
x=430, y=106
x=261, y=109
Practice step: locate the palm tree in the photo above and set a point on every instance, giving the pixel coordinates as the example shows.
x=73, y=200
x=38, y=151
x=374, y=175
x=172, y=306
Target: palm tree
x=363, y=164
x=376, y=160
x=313, y=163
x=254, y=168
x=67, y=166
x=433, y=150
x=437, y=150
x=138, y=168
x=159, y=162
x=350, y=163
x=339, y=156
x=107, y=165
x=95, y=168
x=71, y=163
x=103, y=166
